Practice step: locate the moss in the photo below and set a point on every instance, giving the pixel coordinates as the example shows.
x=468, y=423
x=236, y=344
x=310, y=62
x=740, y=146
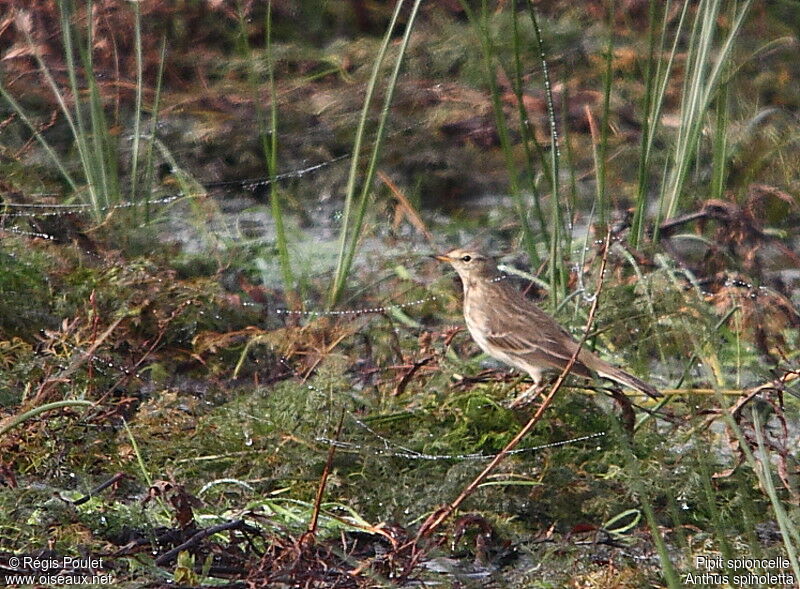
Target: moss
x=25, y=293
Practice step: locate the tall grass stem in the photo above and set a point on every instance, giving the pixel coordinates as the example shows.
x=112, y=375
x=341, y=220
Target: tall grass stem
x=559, y=237
x=355, y=206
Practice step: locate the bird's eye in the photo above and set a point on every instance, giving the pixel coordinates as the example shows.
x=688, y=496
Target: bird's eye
x=466, y=258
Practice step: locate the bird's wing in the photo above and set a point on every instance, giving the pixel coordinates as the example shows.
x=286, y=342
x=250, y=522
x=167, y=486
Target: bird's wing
x=521, y=331
x=538, y=349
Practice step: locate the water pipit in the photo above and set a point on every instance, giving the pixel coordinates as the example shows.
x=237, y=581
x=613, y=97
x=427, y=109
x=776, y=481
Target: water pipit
x=512, y=329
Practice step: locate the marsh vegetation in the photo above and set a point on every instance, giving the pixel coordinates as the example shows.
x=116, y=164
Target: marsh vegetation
x=227, y=359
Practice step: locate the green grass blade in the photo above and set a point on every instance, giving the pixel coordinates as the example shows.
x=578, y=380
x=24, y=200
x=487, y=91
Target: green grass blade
x=702, y=83
x=352, y=222
x=19, y=419
x=103, y=145
x=17, y=108
x=137, y=113
x=78, y=126
x=528, y=140
x=481, y=25
x=602, y=201
x=640, y=488
x=789, y=532
x=560, y=238
x=149, y=167
x=340, y=274
x=271, y=154
x=379, y=136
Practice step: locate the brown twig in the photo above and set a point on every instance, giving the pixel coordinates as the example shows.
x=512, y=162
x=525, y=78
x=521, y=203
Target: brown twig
x=100, y=488
x=312, y=525
x=168, y=556
x=778, y=384
x=401, y=386
x=405, y=208
x=162, y=330
x=438, y=517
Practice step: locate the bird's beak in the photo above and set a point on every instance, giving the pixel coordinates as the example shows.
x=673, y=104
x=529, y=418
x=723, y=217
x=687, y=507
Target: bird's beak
x=441, y=257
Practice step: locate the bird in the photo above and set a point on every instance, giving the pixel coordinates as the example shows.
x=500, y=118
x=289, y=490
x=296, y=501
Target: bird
x=512, y=329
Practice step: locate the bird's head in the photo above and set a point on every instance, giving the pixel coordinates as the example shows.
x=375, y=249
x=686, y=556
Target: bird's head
x=470, y=264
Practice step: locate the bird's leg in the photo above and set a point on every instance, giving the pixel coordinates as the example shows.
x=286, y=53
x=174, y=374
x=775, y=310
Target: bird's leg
x=527, y=397
x=627, y=416
x=530, y=393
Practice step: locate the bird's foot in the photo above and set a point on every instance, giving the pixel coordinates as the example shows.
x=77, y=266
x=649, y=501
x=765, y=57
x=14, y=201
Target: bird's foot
x=528, y=396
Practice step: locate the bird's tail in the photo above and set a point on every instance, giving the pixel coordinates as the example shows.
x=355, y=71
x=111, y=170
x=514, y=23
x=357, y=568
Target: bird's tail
x=622, y=377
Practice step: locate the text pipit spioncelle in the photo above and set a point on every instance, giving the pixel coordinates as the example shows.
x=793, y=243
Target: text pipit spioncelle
x=512, y=329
